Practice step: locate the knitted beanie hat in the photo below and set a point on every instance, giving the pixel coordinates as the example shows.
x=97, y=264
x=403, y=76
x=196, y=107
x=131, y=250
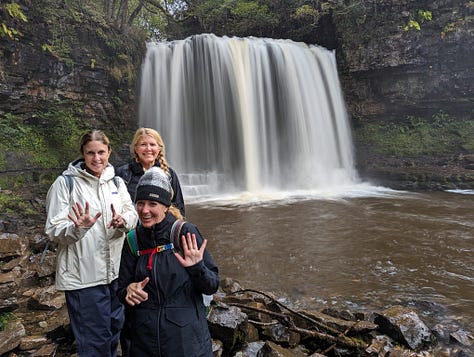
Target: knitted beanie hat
x=154, y=185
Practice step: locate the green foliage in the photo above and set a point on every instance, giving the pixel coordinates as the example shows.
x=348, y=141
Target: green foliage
x=421, y=17
x=235, y=17
x=441, y=134
x=154, y=24
x=46, y=48
x=305, y=11
x=45, y=140
x=12, y=203
x=15, y=13
x=457, y=25
x=5, y=318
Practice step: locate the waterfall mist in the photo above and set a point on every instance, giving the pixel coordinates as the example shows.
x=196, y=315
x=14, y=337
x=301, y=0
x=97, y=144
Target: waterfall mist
x=248, y=115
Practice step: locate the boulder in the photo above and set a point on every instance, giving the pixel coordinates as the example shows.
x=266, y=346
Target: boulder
x=404, y=326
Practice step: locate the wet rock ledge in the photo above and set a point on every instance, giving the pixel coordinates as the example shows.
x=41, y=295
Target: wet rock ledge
x=243, y=322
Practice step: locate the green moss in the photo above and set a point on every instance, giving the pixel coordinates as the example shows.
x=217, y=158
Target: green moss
x=44, y=140
x=413, y=136
x=10, y=203
x=5, y=318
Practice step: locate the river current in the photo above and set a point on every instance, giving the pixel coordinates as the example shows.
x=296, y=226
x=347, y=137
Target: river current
x=364, y=252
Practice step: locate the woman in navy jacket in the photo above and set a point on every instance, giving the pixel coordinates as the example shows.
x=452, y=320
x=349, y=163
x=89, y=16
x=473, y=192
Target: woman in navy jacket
x=164, y=288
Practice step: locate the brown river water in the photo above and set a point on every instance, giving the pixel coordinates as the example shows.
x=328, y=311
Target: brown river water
x=360, y=253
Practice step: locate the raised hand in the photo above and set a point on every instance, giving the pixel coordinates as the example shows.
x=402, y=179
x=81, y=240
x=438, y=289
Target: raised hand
x=83, y=219
x=117, y=221
x=135, y=293
x=191, y=253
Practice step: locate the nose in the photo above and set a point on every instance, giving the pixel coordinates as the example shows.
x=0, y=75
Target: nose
x=145, y=208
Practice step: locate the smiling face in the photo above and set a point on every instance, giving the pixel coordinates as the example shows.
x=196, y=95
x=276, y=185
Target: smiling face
x=147, y=150
x=96, y=156
x=150, y=212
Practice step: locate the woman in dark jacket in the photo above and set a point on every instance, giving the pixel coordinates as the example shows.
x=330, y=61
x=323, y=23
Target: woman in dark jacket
x=148, y=150
x=164, y=288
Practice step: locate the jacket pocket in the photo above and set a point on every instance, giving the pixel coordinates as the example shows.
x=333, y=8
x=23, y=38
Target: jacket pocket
x=180, y=316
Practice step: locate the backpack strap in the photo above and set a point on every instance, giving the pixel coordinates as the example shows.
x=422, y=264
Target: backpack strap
x=69, y=182
x=132, y=242
x=116, y=181
x=175, y=235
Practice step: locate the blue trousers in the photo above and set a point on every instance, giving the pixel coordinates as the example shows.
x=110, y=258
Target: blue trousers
x=96, y=317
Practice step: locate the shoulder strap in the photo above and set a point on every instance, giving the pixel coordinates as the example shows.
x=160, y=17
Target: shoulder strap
x=69, y=182
x=132, y=241
x=116, y=181
x=175, y=237
x=175, y=234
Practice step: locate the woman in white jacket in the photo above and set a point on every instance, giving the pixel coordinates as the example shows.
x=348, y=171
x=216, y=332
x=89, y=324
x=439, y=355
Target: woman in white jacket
x=89, y=210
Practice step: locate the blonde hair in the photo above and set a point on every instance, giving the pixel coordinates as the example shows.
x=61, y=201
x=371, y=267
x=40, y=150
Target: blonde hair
x=155, y=135
x=175, y=212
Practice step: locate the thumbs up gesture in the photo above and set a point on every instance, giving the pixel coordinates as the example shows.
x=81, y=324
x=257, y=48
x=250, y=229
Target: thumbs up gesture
x=135, y=293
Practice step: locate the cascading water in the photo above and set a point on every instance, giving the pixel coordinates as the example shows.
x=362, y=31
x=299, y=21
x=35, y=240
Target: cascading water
x=248, y=115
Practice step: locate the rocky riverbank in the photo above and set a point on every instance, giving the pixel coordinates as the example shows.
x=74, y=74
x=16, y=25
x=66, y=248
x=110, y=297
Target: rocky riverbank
x=418, y=173
x=243, y=322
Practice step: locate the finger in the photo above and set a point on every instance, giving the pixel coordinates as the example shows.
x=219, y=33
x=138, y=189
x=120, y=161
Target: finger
x=87, y=208
x=144, y=282
x=129, y=300
x=136, y=299
x=113, y=210
x=189, y=241
x=96, y=217
x=184, y=244
x=194, y=241
x=203, y=245
x=76, y=212
x=141, y=295
x=79, y=208
x=72, y=219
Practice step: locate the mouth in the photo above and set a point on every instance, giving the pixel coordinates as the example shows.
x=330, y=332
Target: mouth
x=148, y=220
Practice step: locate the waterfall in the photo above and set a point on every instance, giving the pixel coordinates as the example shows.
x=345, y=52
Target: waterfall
x=250, y=115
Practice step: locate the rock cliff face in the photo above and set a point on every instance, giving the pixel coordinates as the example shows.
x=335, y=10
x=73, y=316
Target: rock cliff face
x=396, y=71
x=397, y=75
x=66, y=60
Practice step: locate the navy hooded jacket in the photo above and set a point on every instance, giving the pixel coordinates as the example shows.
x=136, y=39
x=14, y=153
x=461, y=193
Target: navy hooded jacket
x=172, y=322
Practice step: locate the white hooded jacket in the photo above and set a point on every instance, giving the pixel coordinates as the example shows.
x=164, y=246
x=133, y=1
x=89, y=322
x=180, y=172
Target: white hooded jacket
x=87, y=256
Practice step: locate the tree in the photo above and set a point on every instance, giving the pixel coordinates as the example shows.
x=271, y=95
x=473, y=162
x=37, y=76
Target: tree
x=144, y=13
